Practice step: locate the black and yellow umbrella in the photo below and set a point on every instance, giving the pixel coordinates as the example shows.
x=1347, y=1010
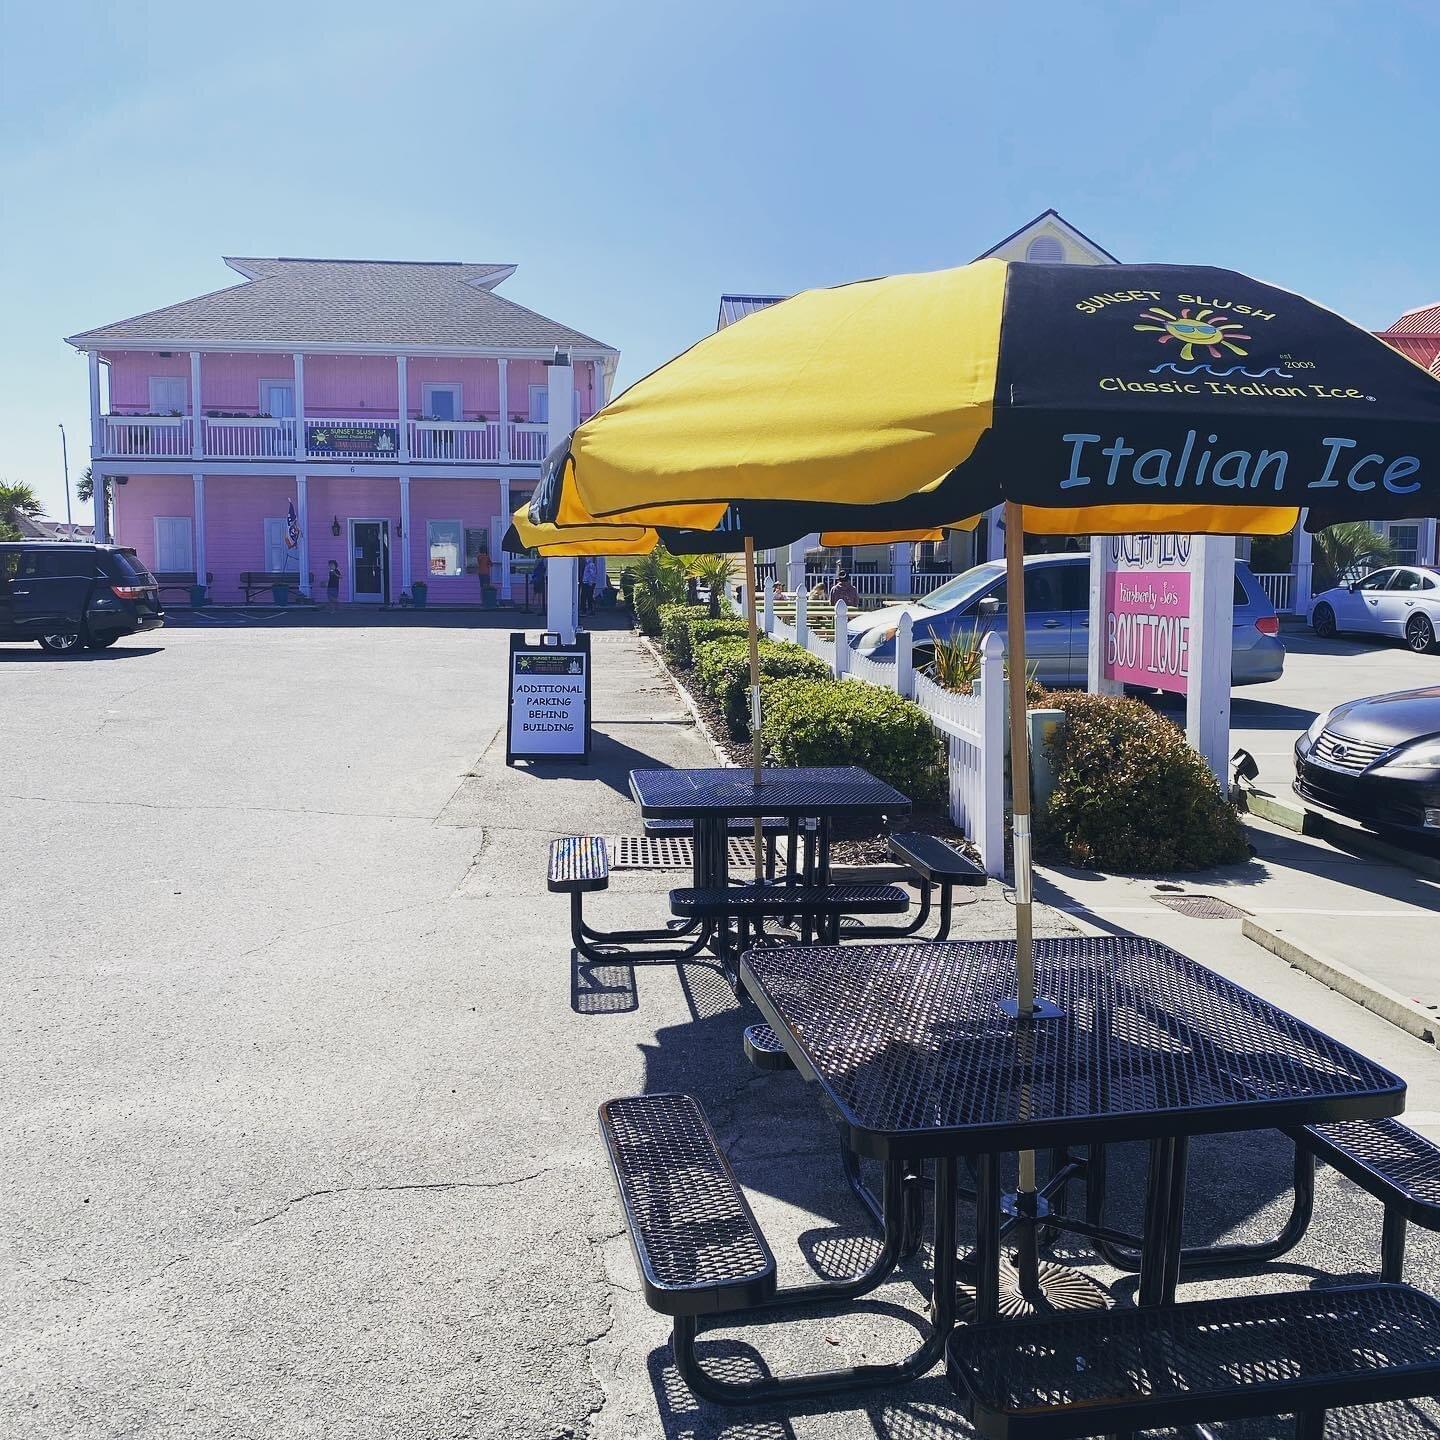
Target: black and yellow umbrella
x=1087, y=400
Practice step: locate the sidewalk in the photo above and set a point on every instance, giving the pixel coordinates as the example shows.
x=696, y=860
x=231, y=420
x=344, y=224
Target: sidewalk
x=1375, y=918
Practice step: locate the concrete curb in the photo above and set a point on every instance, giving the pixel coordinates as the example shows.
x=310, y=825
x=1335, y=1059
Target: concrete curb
x=1344, y=837
x=1387, y=1004
x=686, y=700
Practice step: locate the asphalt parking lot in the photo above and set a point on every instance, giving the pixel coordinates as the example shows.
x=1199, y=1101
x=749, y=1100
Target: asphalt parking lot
x=301, y=1078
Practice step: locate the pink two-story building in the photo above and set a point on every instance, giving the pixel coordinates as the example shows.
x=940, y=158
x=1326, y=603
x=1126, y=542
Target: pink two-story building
x=403, y=409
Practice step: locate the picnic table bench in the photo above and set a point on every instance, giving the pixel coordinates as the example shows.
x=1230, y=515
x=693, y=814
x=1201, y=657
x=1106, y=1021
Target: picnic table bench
x=181, y=580
x=253, y=580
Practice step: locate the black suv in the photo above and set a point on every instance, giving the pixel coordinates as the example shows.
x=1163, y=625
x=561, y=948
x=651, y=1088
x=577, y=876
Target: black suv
x=71, y=596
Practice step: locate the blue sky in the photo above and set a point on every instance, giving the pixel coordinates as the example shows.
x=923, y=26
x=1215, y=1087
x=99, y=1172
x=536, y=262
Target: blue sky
x=635, y=160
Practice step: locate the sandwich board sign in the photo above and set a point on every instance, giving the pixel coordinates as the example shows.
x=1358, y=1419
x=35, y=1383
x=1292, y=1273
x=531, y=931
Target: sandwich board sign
x=548, y=716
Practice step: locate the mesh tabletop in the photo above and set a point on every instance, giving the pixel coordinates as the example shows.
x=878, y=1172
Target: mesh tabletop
x=723, y=792
x=917, y=1058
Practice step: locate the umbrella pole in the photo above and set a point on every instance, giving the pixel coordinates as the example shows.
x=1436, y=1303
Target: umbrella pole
x=1019, y=755
x=754, y=635
x=1020, y=812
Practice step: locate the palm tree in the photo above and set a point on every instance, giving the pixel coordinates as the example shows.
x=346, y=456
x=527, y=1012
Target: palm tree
x=1346, y=551
x=16, y=499
x=712, y=571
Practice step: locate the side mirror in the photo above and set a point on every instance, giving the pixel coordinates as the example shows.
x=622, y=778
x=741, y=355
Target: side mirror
x=988, y=608
x=1353, y=586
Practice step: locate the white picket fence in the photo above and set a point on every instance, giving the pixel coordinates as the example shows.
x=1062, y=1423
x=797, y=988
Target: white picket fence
x=973, y=726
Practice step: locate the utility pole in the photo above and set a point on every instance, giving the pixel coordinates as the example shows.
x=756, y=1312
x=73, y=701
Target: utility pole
x=65, y=461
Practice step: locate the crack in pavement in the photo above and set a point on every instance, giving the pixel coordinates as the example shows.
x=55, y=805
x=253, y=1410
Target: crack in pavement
x=421, y=1185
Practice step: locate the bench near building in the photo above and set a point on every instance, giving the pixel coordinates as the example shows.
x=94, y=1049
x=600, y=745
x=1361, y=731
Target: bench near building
x=401, y=408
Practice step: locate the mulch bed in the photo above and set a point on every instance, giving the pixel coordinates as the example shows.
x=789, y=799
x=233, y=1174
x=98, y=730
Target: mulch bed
x=852, y=844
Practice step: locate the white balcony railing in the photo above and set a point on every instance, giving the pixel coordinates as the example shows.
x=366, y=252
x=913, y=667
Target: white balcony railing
x=244, y=438
x=1278, y=587
x=364, y=437
x=529, y=443
x=161, y=437
x=466, y=440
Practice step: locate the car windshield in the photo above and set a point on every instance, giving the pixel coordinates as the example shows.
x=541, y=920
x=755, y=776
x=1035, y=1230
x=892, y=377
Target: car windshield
x=963, y=587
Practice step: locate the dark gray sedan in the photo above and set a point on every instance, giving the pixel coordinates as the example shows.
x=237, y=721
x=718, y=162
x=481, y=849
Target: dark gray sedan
x=1377, y=761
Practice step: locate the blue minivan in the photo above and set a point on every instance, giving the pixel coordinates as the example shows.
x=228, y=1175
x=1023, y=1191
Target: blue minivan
x=1057, y=620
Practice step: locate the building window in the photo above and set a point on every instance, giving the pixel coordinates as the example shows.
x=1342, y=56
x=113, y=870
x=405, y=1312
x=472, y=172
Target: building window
x=167, y=395
x=445, y=540
x=1045, y=250
x=539, y=404
x=173, y=548
x=440, y=402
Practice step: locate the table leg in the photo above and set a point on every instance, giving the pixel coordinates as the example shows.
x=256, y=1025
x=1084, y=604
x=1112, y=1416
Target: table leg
x=987, y=1238
x=1164, y=1221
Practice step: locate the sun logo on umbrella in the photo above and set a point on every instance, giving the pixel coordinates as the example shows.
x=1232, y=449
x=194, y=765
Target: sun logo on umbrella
x=1211, y=330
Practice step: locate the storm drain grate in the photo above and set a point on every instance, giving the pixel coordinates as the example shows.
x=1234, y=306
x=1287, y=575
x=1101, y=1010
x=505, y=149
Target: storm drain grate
x=665, y=852
x=1203, y=907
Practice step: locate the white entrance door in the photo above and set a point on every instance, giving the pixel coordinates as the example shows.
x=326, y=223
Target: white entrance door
x=370, y=561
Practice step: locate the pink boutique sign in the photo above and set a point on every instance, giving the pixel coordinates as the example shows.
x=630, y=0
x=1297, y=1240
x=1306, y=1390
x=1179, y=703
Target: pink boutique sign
x=1147, y=628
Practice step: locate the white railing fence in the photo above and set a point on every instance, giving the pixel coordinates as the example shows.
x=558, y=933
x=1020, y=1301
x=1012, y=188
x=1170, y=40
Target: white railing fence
x=528, y=442
x=466, y=440
x=1279, y=587
x=148, y=436
x=237, y=437
x=972, y=726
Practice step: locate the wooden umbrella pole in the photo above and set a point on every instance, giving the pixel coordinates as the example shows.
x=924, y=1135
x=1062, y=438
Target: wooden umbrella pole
x=755, y=755
x=1019, y=781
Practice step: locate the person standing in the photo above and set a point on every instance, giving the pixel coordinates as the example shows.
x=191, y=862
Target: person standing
x=589, y=573
x=537, y=582
x=332, y=587
x=844, y=589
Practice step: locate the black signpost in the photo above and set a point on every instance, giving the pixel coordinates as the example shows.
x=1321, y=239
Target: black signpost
x=548, y=717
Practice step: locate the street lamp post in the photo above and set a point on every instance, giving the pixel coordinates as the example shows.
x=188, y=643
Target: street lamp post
x=65, y=461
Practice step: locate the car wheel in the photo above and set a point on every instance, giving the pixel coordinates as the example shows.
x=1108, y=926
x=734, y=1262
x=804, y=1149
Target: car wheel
x=1324, y=622
x=1420, y=634
x=63, y=642
x=102, y=642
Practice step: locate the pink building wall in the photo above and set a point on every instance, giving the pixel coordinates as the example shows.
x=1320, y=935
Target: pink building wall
x=140, y=500
x=237, y=506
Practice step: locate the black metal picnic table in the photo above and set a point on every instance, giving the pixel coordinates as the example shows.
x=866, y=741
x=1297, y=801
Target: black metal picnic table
x=917, y=1061
x=711, y=798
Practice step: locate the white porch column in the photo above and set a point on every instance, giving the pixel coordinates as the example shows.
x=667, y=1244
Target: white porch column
x=1304, y=566
x=101, y=483
x=197, y=440
x=93, y=356
x=1212, y=621
x=200, y=529
x=901, y=554
x=404, y=406
x=299, y=403
x=504, y=591
x=504, y=368
x=302, y=519
x=562, y=596
x=795, y=564
x=405, y=532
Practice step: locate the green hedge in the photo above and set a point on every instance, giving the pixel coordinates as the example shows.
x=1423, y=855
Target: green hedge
x=828, y=722
x=676, y=630
x=1130, y=793
x=647, y=612
x=722, y=668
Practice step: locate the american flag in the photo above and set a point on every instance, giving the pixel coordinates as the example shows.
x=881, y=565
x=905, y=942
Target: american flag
x=292, y=528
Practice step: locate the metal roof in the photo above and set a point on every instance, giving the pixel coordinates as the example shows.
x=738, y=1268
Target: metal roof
x=737, y=307
x=389, y=303
x=1422, y=320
